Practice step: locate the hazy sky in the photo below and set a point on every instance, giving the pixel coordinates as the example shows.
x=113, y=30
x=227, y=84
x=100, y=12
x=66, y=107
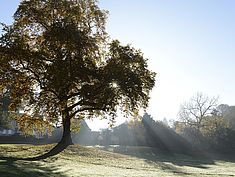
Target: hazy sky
x=189, y=43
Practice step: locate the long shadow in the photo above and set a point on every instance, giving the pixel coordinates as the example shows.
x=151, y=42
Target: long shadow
x=11, y=167
x=154, y=156
x=200, y=161
x=156, y=159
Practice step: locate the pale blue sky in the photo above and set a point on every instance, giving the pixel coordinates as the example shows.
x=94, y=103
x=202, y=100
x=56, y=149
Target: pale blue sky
x=189, y=43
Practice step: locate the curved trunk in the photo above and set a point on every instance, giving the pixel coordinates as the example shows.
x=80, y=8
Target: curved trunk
x=65, y=141
x=66, y=137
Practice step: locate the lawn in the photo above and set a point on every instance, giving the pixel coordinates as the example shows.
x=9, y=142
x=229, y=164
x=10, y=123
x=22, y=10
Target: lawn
x=79, y=161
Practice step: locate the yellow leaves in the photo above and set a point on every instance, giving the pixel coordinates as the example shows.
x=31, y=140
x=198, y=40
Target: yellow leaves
x=12, y=107
x=75, y=125
x=136, y=113
x=213, y=125
x=33, y=125
x=135, y=123
x=179, y=127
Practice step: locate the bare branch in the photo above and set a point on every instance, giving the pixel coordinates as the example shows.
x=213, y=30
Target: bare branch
x=87, y=109
x=197, y=109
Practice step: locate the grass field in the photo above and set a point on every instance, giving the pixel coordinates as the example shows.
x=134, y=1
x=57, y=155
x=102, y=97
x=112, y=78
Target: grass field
x=78, y=161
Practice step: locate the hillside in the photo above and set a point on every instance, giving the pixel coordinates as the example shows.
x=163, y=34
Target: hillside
x=79, y=161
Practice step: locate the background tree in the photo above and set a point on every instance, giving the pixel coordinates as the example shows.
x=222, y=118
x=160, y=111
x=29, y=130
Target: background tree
x=227, y=112
x=193, y=119
x=207, y=126
x=59, y=64
x=220, y=132
x=193, y=112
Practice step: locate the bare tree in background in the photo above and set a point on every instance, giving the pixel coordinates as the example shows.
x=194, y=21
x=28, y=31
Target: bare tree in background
x=193, y=112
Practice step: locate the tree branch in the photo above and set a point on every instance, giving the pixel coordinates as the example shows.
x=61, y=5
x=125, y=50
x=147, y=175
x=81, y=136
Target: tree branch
x=87, y=109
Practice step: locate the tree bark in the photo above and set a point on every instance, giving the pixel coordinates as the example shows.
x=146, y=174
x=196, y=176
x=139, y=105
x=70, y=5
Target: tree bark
x=66, y=137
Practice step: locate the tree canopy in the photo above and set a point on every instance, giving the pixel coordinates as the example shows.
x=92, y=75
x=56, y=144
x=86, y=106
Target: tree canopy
x=59, y=64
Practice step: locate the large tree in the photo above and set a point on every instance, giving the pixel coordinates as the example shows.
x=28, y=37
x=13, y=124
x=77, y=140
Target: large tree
x=59, y=64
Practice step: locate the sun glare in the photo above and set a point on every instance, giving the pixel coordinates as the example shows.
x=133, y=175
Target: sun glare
x=114, y=85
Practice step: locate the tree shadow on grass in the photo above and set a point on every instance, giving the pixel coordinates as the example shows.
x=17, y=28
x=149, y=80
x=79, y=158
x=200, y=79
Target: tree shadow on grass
x=12, y=168
x=165, y=160
x=196, y=161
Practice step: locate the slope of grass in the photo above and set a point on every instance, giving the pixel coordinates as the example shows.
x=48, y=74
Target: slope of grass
x=78, y=161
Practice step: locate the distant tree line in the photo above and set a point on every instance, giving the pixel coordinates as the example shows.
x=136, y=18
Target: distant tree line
x=206, y=125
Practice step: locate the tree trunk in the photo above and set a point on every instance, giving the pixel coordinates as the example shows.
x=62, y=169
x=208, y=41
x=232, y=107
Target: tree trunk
x=66, y=137
x=65, y=141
